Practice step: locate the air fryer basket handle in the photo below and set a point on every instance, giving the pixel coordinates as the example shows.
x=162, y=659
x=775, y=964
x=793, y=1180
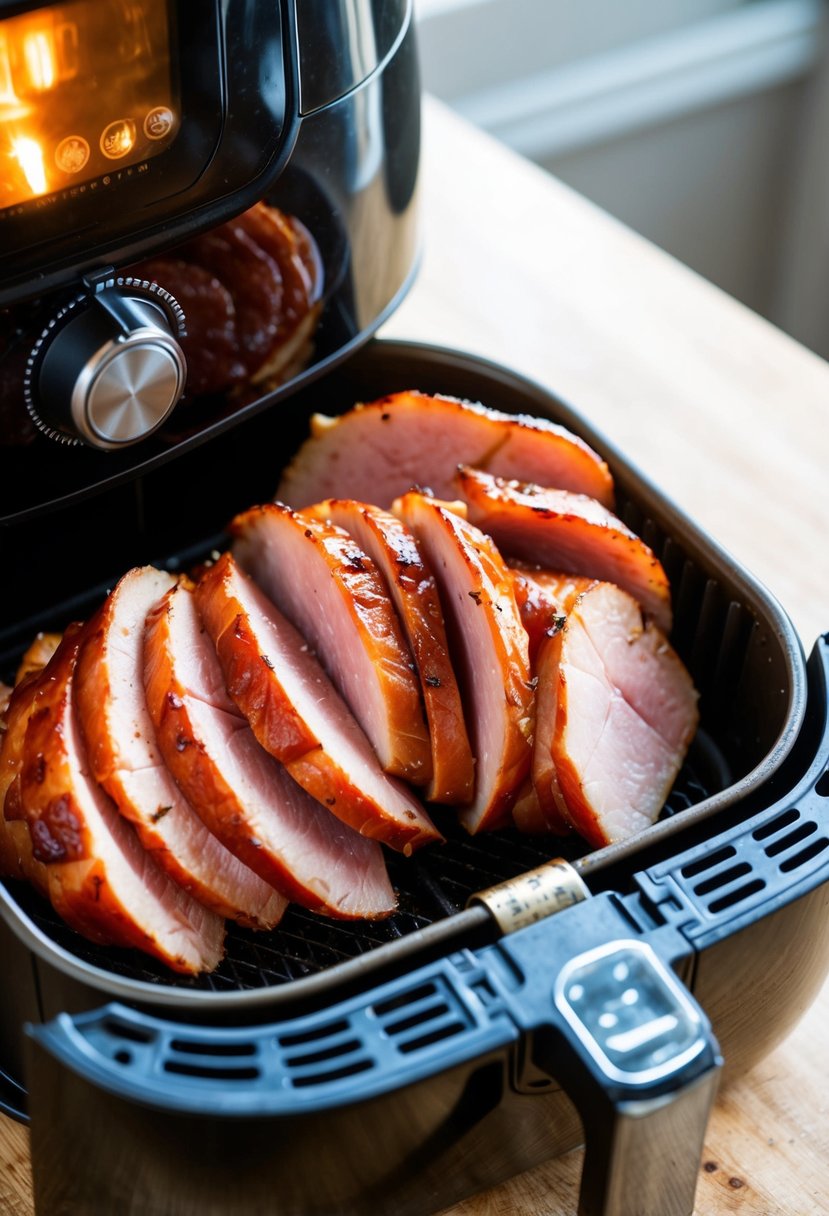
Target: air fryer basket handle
x=611, y=1023
x=640, y=1064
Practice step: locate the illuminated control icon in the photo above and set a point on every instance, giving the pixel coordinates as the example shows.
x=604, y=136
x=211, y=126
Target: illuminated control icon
x=118, y=138
x=71, y=154
x=159, y=122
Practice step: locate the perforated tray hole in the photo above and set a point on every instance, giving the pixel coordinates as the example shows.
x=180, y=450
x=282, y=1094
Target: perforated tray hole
x=325, y=1053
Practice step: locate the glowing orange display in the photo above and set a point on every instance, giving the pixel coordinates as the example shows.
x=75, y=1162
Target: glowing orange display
x=85, y=87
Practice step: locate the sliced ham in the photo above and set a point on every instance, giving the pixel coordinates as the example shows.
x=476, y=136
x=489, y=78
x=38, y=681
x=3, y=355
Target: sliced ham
x=567, y=532
x=490, y=647
x=393, y=549
x=296, y=713
x=37, y=655
x=243, y=794
x=16, y=857
x=125, y=759
x=375, y=452
x=331, y=591
x=101, y=881
x=625, y=711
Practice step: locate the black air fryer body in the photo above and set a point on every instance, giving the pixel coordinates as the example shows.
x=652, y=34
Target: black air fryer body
x=512, y=1005
x=312, y=105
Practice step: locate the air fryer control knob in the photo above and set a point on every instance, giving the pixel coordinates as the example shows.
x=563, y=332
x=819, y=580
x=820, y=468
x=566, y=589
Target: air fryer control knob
x=108, y=370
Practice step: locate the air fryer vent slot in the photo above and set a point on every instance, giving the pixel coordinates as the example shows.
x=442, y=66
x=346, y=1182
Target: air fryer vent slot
x=334, y=1074
x=423, y=1016
x=778, y=824
x=822, y=787
x=790, y=839
x=805, y=855
x=708, y=862
x=211, y=1072
x=737, y=896
x=723, y=878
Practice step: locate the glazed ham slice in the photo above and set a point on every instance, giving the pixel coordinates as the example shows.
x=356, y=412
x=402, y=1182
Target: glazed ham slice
x=244, y=795
x=331, y=591
x=16, y=857
x=101, y=881
x=411, y=585
x=375, y=452
x=567, y=532
x=125, y=759
x=625, y=711
x=296, y=713
x=490, y=646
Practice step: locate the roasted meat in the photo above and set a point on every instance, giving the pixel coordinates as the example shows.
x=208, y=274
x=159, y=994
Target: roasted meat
x=411, y=585
x=251, y=293
x=566, y=532
x=125, y=759
x=296, y=713
x=616, y=712
x=332, y=592
x=101, y=880
x=243, y=794
x=16, y=857
x=490, y=651
x=376, y=452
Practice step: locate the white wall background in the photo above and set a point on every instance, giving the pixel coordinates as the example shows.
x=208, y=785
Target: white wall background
x=703, y=124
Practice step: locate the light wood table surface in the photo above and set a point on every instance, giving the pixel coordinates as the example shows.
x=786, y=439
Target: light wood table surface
x=731, y=418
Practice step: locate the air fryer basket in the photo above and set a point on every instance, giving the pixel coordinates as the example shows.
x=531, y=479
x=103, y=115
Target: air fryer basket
x=739, y=645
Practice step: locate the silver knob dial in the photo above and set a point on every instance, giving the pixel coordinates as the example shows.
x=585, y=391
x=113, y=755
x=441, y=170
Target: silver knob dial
x=127, y=389
x=108, y=370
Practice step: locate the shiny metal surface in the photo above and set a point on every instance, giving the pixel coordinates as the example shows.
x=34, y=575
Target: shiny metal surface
x=128, y=388
x=533, y=896
x=649, y=1161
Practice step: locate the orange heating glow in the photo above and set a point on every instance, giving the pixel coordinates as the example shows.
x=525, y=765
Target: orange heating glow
x=29, y=156
x=40, y=61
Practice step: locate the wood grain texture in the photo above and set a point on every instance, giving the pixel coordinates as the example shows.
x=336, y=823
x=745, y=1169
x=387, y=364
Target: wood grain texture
x=731, y=418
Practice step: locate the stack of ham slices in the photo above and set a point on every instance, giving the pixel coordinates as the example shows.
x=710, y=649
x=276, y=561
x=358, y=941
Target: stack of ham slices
x=493, y=639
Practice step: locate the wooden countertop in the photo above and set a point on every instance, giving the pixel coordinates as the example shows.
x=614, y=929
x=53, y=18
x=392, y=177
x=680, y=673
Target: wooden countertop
x=731, y=418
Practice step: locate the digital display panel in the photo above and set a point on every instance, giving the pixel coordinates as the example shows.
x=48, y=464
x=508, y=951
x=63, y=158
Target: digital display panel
x=86, y=89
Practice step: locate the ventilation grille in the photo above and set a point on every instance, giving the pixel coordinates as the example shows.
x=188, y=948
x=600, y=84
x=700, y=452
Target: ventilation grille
x=755, y=866
x=305, y=1054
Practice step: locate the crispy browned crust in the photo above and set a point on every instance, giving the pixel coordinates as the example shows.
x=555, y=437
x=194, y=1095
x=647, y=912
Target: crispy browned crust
x=362, y=596
x=413, y=589
x=16, y=857
x=199, y=776
x=37, y=655
x=491, y=438
x=491, y=595
x=278, y=725
x=250, y=680
x=598, y=545
x=78, y=883
x=93, y=697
